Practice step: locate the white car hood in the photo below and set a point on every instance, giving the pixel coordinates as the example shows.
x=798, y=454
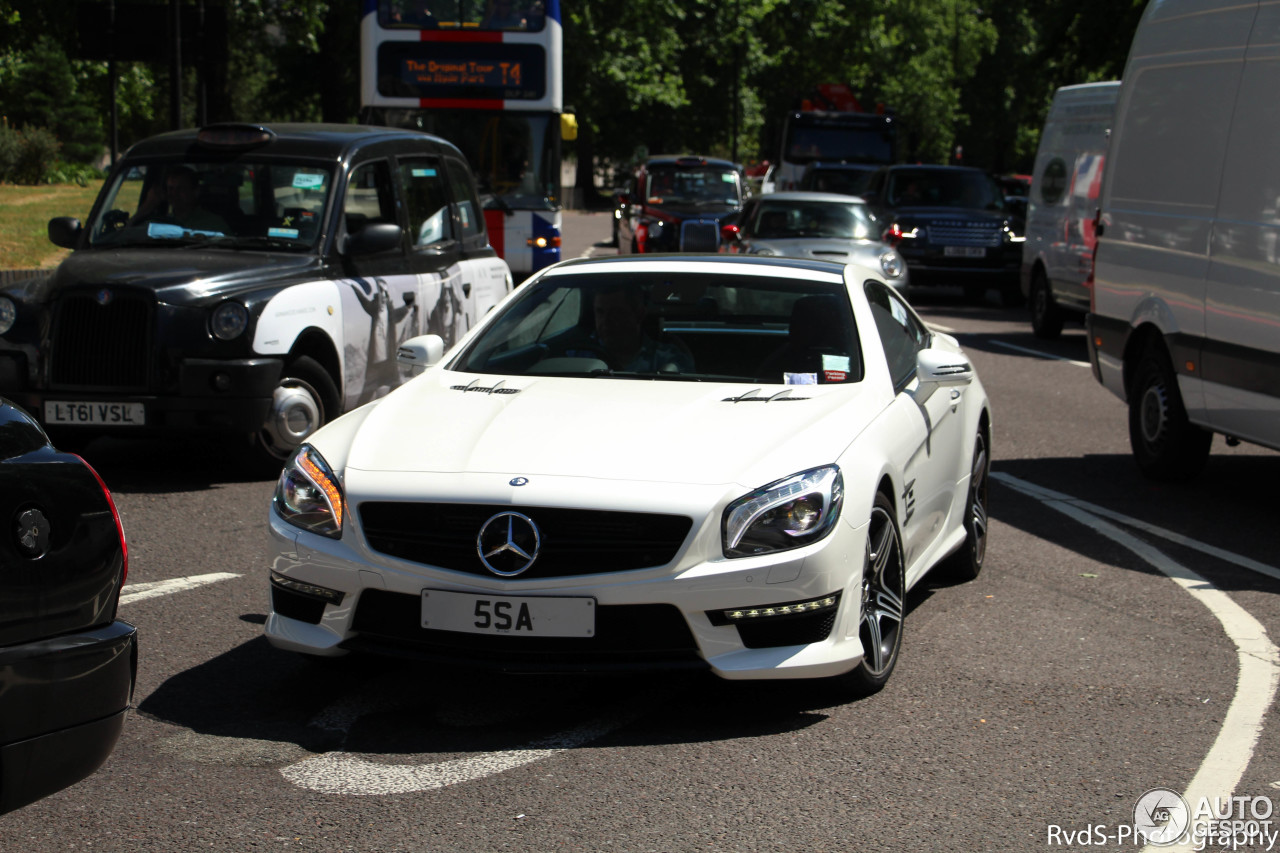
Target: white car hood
x=601, y=428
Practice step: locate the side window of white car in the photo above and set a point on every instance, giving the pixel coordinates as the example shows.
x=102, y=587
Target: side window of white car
x=900, y=333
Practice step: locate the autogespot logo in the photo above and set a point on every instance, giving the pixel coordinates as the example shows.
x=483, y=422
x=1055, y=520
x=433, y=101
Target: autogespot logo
x=508, y=543
x=1162, y=816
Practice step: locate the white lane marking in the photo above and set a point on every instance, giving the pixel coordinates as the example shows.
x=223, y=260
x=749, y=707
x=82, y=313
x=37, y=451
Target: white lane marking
x=1046, y=355
x=154, y=589
x=1259, y=659
x=343, y=773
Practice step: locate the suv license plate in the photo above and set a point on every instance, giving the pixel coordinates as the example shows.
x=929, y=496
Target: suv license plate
x=523, y=616
x=964, y=251
x=94, y=414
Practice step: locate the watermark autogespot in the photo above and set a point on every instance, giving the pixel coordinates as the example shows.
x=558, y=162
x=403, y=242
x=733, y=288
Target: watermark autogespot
x=1162, y=817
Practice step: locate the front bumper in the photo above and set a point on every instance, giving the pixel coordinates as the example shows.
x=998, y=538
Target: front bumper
x=63, y=708
x=647, y=619
x=230, y=395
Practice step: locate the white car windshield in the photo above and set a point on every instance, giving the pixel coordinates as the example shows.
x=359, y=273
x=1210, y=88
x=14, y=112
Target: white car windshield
x=239, y=204
x=675, y=326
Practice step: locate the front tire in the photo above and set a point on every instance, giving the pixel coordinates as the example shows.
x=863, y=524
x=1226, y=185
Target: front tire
x=1046, y=316
x=883, y=605
x=305, y=399
x=1166, y=445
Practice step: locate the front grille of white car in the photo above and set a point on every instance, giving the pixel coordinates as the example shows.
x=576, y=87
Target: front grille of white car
x=574, y=541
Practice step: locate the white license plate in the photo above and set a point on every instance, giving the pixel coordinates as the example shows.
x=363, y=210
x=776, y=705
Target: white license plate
x=94, y=414
x=516, y=616
x=964, y=251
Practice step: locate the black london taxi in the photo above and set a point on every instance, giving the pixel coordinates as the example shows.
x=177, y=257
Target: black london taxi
x=677, y=204
x=68, y=665
x=249, y=278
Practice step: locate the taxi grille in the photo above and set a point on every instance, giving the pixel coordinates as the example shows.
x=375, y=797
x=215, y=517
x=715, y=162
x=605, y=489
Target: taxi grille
x=99, y=345
x=699, y=236
x=959, y=233
x=574, y=541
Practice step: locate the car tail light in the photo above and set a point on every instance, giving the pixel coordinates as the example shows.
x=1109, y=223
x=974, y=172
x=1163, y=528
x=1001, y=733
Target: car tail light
x=642, y=234
x=115, y=515
x=893, y=235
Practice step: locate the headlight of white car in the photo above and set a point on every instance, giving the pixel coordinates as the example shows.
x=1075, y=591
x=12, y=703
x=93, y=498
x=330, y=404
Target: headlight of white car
x=891, y=264
x=8, y=314
x=791, y=513
x=308, y=494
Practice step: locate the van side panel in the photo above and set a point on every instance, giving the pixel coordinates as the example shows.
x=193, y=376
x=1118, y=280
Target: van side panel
x=1066, y=188
x=1164, y=170
x=1240, y=366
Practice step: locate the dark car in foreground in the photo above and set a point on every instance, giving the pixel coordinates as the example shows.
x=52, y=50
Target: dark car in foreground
x=952, y=226
x=67, y=664
x=677, y=204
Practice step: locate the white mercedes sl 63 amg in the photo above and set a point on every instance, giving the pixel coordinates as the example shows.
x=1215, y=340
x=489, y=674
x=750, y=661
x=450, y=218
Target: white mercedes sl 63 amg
x=732, y=463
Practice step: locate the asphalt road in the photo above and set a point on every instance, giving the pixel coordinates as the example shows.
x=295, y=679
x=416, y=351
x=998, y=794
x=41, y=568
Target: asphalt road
x=1073, y=676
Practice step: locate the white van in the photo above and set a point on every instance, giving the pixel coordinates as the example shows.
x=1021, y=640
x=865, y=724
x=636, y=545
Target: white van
x=1185, y=323
x=1066, y=189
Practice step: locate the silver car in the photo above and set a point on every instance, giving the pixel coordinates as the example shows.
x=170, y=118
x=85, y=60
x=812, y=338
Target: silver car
x=821, y=226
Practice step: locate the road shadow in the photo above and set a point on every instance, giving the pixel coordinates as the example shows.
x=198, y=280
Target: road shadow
x=160, y=465
x=1232, y=505
x=388, y=706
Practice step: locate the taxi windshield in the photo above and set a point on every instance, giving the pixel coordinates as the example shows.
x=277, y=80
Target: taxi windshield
x=241, y=204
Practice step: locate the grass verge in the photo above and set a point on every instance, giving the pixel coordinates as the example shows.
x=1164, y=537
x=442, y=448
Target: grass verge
x=24, y=221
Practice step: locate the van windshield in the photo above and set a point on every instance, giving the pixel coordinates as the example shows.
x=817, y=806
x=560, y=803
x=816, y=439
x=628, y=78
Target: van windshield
x=242, y=204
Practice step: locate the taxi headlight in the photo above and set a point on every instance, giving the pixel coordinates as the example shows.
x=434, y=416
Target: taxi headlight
x=308, y=494
x=790, y=513
x=229, y=321
x=8, y=314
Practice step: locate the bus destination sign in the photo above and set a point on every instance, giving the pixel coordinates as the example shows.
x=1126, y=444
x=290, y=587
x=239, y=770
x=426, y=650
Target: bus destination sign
x=461, y=70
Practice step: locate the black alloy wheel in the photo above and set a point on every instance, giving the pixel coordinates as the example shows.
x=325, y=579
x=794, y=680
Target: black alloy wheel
x=883, y=603
x=966, y=563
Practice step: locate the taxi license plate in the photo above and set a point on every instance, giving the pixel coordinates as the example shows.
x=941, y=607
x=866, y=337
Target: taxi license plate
x=94, y=414
x=518, y=616
x=964, y=251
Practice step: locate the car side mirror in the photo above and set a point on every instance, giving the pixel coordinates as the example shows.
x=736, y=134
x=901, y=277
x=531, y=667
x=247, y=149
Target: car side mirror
x=373, y=239
x=943, y=367
x=64, y=231
x=420, y=353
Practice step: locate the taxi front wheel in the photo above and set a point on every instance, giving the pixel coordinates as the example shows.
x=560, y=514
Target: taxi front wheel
x=305, y=399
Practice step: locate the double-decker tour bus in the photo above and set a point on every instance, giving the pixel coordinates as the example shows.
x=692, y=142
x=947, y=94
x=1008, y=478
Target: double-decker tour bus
x=487, y=76
x=832, y=127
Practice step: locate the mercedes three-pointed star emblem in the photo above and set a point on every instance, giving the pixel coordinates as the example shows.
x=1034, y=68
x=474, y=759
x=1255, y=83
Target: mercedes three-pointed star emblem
x=508, y=543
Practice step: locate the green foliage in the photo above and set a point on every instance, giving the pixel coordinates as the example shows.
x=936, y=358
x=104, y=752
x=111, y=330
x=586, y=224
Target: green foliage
x=10, y=148
x=37, y=153
x=660, y=76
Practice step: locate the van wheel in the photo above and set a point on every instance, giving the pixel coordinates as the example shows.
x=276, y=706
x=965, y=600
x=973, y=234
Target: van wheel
x=884, y=599
x=1046, y=316
x=305, y=399
x=1166, y=445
